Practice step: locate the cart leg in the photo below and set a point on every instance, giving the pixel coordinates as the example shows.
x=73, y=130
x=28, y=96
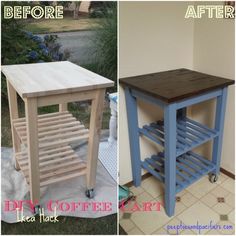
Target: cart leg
x=181, y=113
x=132, y=116
x=63, y=107
x=219, y=125
x=170, y=157
x=93, y=143
x=13, y=108
x=31, y=110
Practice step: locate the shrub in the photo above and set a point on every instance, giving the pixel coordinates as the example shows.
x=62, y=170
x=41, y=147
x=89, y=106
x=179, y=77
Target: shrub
x=104, y=45
x=20, y=47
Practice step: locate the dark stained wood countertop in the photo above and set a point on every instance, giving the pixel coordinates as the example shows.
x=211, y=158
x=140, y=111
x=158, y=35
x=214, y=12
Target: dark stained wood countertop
x=174, y=85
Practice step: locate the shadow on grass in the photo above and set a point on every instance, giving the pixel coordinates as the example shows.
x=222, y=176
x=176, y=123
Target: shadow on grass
x=67, y=225
x=35, y=28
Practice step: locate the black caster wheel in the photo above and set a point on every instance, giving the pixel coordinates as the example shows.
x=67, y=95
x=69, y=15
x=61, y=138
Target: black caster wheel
x=213, y=178
x=36, y=209
x=16, y=169
x=89, y=193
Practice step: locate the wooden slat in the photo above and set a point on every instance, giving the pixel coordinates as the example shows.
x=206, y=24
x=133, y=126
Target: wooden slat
x=58, y=126
x=46, y=169
x=24, y=166
x=48, y=157
x=49, y=123
x=61, y=130
x=42, y=116
x=56, y=129
x=64, y=135
x=61, y=164
x=62, y=171
x=64, y=141
x=23, y=155
x=21, y=121
x=62, y=178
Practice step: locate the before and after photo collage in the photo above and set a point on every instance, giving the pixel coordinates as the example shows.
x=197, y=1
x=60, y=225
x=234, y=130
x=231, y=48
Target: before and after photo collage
x=117, y=118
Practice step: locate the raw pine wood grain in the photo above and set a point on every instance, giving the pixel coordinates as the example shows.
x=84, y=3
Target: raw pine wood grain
x=94, y=133
x=55, y=165
x=31, y=112
x=13, y=108
x=53, y=130
x=48, y=157
x=43, y=79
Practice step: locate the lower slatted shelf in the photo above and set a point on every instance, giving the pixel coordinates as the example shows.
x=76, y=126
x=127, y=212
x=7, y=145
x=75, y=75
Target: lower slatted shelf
x=54, y=129
x=190, y=134
x=55, y=165
x=189, y=168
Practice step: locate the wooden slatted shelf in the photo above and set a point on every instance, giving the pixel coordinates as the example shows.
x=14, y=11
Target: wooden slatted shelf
x=190, y=134
x=189, y=168
x=57, y=160
x=54, y=129
x=55, y=165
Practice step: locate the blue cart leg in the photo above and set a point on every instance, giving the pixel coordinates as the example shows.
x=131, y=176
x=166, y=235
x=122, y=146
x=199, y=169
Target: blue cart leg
x=170, y=157
x=219, y=125
x=132, y=116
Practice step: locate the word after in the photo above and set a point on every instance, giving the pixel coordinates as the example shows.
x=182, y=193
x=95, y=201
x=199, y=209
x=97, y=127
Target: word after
x=210, y=11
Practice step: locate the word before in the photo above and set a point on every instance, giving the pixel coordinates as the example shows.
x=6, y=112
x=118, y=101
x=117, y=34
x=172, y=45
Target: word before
x=211, y=11
x=36, y=12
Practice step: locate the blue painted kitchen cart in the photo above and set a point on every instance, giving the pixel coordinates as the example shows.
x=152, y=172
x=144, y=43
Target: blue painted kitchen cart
x=175, y=90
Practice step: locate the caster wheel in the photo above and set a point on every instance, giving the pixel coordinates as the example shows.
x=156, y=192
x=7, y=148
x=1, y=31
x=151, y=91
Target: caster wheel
x=213, y=178
x=36, y=209
x=89, y=193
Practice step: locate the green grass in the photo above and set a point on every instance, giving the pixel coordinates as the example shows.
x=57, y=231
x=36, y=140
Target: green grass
x=63, y=25
x=66, y=225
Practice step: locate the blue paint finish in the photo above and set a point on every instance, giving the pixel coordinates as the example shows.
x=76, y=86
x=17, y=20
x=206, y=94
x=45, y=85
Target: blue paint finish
x=201, y=126
x=201, y=159
x=219, y=126
x=192, y=166
x=196, y=162
x=184, y=176
x=151, y=137
x=148, y=98
x=178, y=136
x=191, y=131
x=132, y=116
x=197, y=99
x=152, y=171
x=190, y=172
x=170, y=157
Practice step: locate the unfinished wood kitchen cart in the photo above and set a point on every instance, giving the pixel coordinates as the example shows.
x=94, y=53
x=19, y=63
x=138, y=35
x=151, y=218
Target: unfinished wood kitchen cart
x=48, y=157
x=177, y=166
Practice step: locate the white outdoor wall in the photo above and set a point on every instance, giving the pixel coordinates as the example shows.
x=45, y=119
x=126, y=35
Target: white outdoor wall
x=153, y=36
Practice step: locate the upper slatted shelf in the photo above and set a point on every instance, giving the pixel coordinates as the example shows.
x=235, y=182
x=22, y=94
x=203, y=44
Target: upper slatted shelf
x=54, y=129
x=190, y=134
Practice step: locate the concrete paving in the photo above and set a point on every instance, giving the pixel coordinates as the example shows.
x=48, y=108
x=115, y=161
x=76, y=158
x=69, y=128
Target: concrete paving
x=78, y=44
